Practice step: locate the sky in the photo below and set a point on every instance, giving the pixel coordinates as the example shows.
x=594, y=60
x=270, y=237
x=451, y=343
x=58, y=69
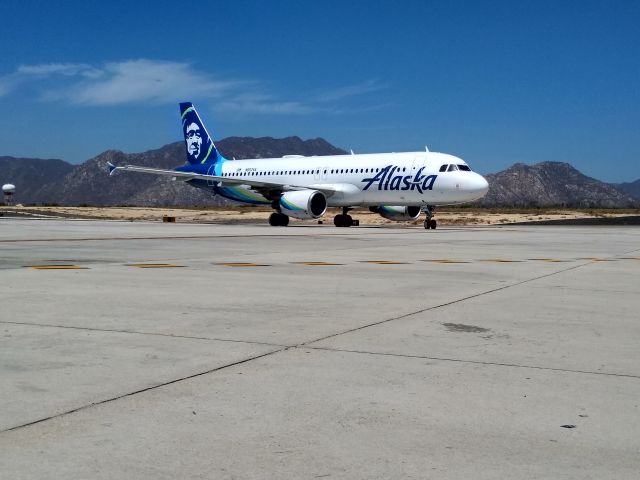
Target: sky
x=493, y=82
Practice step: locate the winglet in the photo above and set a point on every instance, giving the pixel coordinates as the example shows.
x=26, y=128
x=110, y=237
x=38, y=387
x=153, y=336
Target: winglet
x=112, y=168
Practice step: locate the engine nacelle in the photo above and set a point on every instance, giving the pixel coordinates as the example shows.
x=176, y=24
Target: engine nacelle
x=397, y=214
x=303, y=204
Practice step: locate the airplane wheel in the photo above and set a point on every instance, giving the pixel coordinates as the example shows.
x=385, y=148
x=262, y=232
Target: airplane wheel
x=348, y=221
x=343, y=220
x=278, y=220
x=433, y=224
x=427, y=224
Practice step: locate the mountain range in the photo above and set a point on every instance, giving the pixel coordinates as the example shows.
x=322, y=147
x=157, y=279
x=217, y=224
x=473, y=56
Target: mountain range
x=54, y=181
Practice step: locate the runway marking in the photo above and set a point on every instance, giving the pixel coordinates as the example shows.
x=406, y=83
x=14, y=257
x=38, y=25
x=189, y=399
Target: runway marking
x=444, y=260
x=550, y=260
x=317, y=264
x=499, y=260
x=153, y=265
x=233, y=264
x=597, y=259
x=384, y=262
x=56, y=267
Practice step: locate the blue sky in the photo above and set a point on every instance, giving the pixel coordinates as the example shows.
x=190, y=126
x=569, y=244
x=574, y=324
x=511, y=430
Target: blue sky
x=493, y=82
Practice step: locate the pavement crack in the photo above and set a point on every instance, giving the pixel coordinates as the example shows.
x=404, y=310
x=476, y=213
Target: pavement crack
x=475, y=362
x=446, y=304
x=142, y=390
x=136, y=332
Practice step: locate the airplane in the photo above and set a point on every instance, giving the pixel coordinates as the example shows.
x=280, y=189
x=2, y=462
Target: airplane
x=397, y=186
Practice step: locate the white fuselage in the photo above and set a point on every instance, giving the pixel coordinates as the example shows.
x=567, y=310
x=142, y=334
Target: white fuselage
x=411, y=178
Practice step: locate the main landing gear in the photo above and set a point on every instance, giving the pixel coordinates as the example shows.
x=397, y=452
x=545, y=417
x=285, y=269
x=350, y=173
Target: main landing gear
x=430, y=223
x=343, y=219
x=277, y=219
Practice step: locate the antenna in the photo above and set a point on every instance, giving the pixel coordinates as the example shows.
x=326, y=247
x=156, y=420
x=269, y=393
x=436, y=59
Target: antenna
x=426, y=149
x=352, y=151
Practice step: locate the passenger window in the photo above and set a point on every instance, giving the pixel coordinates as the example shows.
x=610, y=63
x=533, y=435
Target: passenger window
x=452, y=168
x=443, y=168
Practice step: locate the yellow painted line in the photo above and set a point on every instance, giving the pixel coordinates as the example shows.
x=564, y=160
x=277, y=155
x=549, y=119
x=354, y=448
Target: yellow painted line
x=316, y=264
x=551, y=260
x=154, y=265
x=385, y=262
x=243, y=264
x=499, y=260
x=57, y=267
x=596, y=259
x=444, y=260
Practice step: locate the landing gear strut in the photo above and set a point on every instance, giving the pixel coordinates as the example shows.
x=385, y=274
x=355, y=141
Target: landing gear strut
x=343, y=219
x=430, y=223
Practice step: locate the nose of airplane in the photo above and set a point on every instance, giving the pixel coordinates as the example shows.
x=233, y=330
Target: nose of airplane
x=480, y=186
x=483, y=185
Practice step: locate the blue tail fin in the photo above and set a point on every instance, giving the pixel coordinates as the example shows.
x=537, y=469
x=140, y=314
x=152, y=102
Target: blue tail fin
x=198, y=143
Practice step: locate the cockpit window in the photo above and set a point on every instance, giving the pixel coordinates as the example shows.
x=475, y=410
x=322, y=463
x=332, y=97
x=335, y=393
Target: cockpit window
x=452, y=168
x=443, y=168
x=464, y=168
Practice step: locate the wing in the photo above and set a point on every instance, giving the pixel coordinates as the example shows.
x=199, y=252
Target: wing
x=257, y=185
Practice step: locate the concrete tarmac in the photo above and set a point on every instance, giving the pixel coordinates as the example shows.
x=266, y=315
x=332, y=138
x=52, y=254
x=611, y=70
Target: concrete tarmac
x=207, y=351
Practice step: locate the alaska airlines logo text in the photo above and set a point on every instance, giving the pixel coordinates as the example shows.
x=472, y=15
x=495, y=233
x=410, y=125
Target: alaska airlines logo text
x=386, y=180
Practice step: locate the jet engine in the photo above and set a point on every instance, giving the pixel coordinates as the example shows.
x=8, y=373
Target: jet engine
x=303, y=204
x=397, y=214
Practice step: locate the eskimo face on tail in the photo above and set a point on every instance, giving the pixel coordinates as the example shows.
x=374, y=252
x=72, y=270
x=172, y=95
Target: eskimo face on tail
x=193, y=137
x=198, y=143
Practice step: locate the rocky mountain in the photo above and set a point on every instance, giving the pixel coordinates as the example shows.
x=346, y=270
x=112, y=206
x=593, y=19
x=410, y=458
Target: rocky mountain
x=89, y=183
x=631, y=188
x=31, y=175
x=551, y=184
x=57, y=182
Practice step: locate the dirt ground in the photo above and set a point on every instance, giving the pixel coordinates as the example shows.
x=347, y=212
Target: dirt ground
x=242, y=214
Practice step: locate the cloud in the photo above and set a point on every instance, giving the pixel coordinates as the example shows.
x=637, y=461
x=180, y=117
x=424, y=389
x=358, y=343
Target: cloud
x=116, y=83
x=145, y=81
x=137, y=81
x=257, y=103
x=347, y=91
x=67, y=69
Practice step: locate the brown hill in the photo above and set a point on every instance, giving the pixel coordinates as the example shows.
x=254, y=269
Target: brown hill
x=89, y=184
x=551, y=184
x=31, y=176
